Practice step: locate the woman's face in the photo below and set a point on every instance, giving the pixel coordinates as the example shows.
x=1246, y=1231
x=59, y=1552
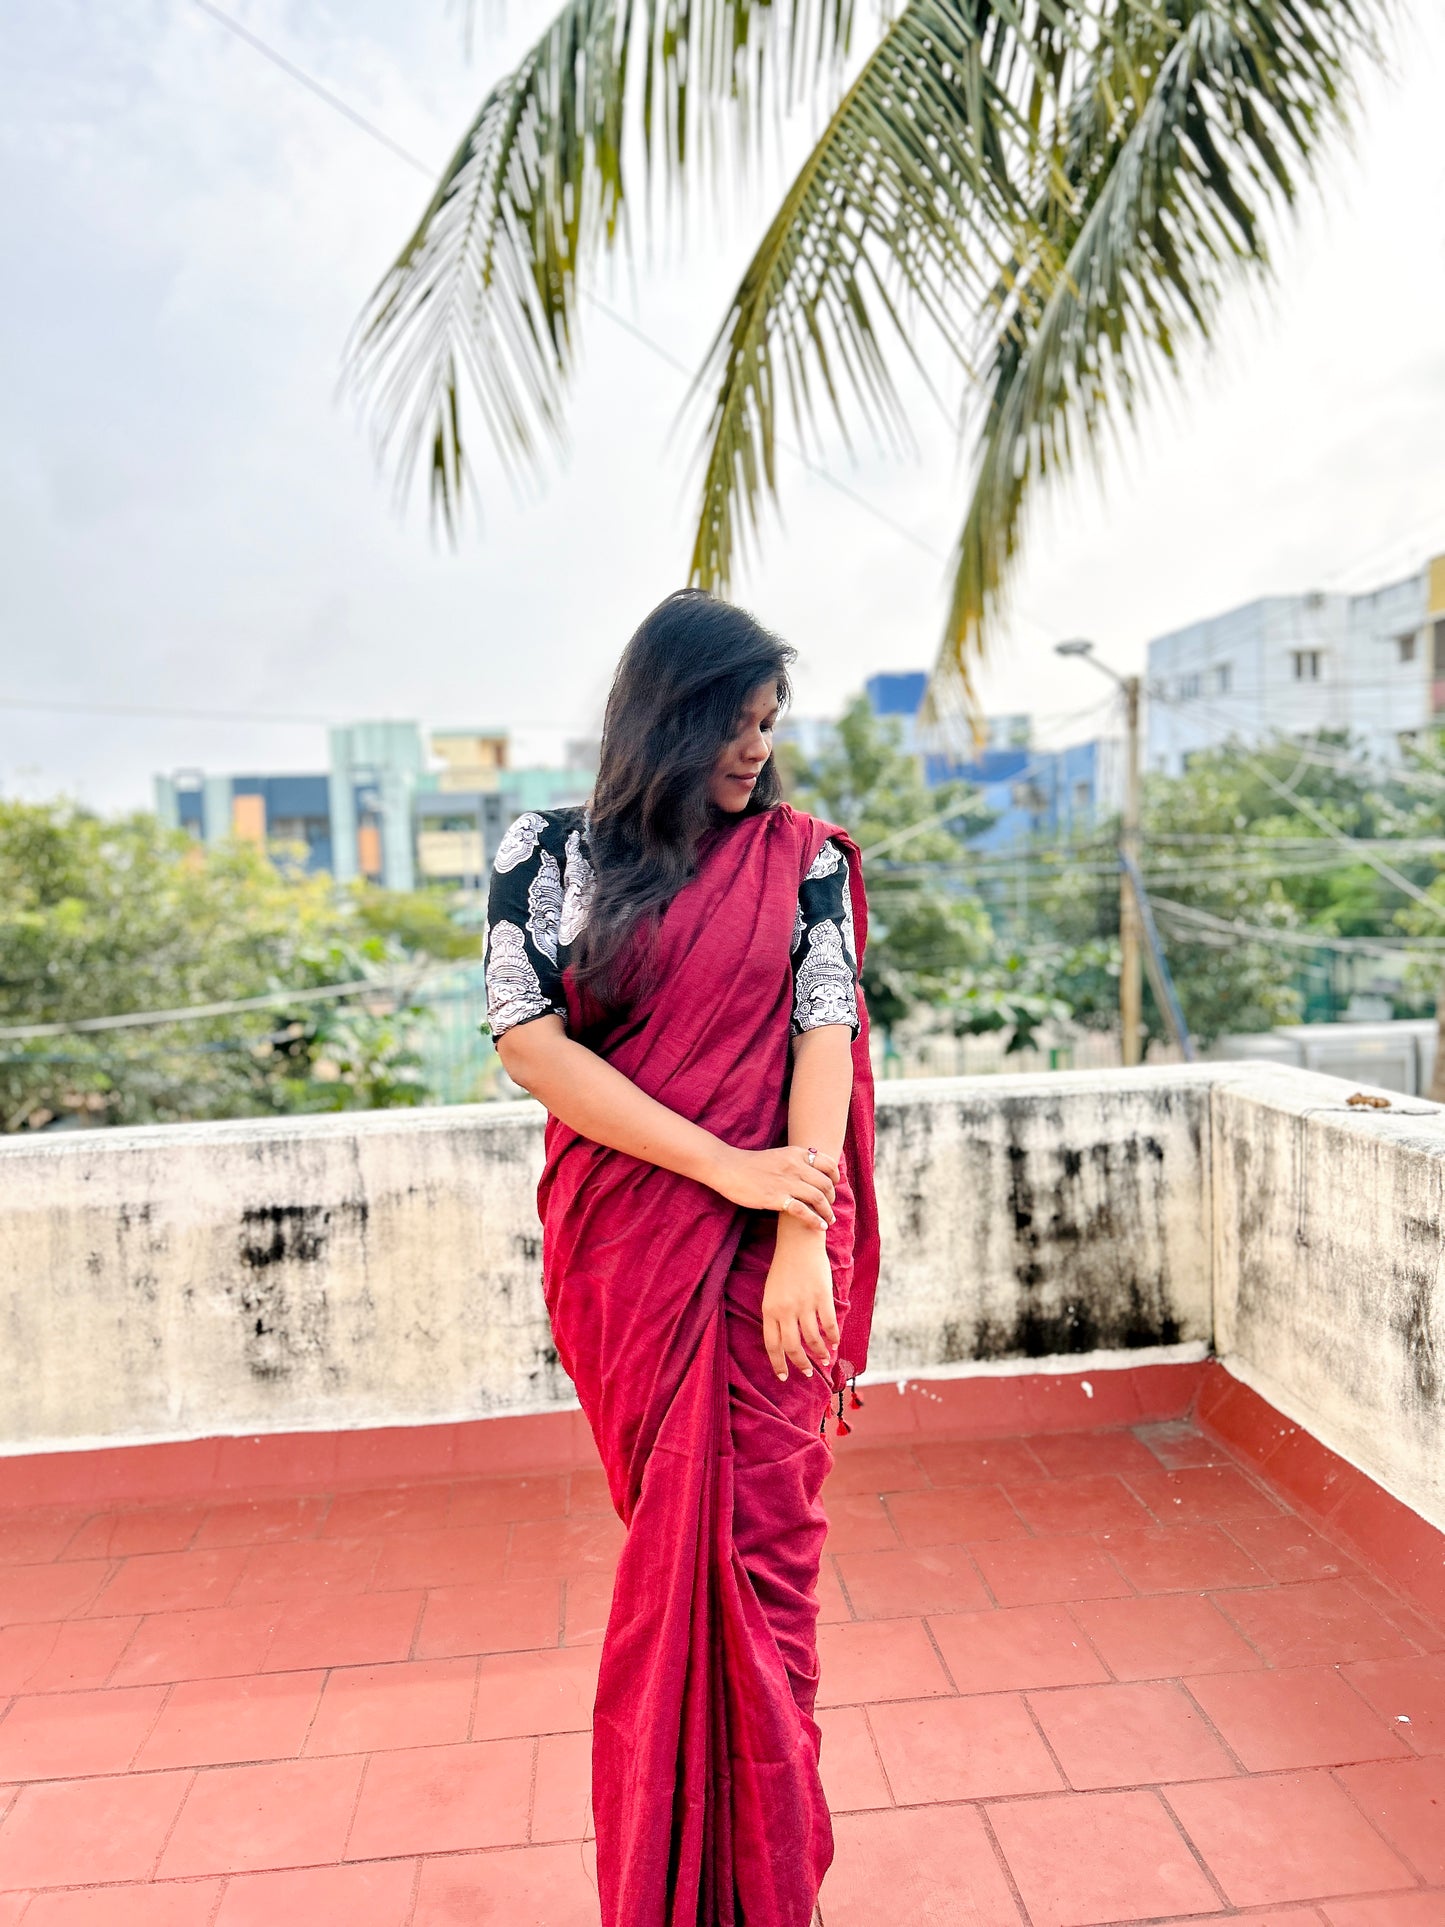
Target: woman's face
x=737, y=770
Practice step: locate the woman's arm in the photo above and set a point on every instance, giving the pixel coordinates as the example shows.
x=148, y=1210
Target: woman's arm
x=800, y=1321
x=599, y=1103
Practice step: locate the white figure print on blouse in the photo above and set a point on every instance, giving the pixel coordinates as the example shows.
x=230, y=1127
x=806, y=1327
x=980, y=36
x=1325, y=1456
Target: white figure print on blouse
x=514, y=990
x=577, y=884
x=520, y=841
x=544, y=905
x=542, y=890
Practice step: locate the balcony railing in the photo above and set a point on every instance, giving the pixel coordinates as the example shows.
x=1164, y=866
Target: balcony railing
x=384, y=1269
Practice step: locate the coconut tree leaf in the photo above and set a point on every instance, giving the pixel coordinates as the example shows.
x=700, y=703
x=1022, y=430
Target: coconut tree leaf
x=481, y=303
x=1057, y=191
x=1192, y=126
x=909, y=209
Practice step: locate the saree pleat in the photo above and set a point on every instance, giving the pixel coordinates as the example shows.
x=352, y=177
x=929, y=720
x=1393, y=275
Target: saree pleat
x=708, y=1805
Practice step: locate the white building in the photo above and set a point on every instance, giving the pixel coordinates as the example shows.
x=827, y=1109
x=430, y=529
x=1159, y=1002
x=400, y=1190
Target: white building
x=1371, y=664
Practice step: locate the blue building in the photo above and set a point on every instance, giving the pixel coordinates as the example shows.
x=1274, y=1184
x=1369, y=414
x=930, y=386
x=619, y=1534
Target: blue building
x=898, y=695
x=257, y=809
x=376, y=770
x=1029, y=792
x=382, y=811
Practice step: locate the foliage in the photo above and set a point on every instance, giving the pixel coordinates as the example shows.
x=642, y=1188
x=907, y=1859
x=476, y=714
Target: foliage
x=864, y=778
x=420, y=922
x=100, y=917
x=1056, y=192
x=1242, y=858
x=1240, y=862
x=930, y=945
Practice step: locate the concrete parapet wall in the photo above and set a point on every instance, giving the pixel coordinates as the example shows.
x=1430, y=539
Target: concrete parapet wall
x=1329, y=1239
x=384, y=1269
x=278, y=1275
x=1031, y=1217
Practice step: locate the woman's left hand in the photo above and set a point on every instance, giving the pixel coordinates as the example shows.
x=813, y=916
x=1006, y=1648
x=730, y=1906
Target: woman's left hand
x=800, y=1320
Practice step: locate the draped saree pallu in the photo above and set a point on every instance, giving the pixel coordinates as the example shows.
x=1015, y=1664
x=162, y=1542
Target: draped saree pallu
x=708, y=1805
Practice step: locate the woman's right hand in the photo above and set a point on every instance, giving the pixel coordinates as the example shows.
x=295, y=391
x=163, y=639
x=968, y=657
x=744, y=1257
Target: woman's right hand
x=779, y=1180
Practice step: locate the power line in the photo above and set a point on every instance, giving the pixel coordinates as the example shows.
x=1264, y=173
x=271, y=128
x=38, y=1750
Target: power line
x=1341, y=685
x=896, y=837
x=620, y=320
x=1302, y=939
x=161, y=710
x=170, y=713
x=402, y=985
x=1357, y=849
x=322, y=93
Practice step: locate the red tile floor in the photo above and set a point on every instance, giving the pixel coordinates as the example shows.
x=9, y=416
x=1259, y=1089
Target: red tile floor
x=1067, y=1678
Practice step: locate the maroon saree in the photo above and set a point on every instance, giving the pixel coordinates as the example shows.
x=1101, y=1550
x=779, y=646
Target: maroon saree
x=708, y=1805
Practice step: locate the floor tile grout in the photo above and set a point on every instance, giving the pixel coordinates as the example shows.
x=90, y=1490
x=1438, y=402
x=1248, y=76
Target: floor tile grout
x=1374, y=1611
x=1185, y=1836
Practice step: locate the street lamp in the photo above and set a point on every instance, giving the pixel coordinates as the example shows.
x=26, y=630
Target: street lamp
x=1131, y=985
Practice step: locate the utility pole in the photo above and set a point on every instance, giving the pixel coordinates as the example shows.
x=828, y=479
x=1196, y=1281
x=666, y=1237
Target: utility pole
x=1131, y=987
x=1131, y=984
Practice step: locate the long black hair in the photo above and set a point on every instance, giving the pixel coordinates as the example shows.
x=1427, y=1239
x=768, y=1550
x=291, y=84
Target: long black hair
x=675, y=704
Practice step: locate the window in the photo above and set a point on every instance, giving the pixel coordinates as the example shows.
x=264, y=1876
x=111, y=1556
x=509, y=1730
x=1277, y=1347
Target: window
x=1083, y=795
x=1307, y=664
x=1188, y=688
x=1406, y=646
x=1223, y=678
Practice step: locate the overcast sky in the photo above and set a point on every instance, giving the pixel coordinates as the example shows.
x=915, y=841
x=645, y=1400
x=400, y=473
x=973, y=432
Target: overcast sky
x=190, y=517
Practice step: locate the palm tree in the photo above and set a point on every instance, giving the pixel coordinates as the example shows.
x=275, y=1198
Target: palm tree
x=1057, y=191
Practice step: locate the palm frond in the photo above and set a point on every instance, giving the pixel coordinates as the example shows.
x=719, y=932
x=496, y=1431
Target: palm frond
x=908, y=207
x=486, y=284
x=1193, y=124
x=482, y=301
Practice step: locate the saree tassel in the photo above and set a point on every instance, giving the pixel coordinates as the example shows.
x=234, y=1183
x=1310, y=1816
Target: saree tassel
x=855, y=1404
x=844, y=1428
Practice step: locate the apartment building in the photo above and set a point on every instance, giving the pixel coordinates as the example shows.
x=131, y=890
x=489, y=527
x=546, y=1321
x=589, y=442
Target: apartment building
x=1372, y=664
x=393, y=807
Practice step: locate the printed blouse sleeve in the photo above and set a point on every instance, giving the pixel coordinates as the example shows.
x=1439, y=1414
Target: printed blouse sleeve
x=825, y=951
x=524, y=909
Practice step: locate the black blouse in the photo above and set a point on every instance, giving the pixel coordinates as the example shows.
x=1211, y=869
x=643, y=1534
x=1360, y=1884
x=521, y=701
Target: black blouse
x=540, y=891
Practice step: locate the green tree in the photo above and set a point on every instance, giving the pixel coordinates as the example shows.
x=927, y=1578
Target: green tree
x=103, y=917
x=420, y=922
x=1243, y=855
x=931, y=946
x=1055, y=194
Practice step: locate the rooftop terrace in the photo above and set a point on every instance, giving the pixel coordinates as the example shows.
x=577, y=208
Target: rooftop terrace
x=1111, y=1634
x=1069, y=1676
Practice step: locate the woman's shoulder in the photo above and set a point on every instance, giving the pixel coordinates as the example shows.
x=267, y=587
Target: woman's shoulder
x=815, y=836
x=533, y=829
x=786, y=819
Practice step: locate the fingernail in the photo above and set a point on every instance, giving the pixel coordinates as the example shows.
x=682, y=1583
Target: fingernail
x=782, y=1374
x=808, y=1373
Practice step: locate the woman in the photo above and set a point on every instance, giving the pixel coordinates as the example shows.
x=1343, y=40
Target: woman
x=673, y=972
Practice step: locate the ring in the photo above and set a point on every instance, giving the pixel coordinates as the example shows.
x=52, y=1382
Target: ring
x=812, y=1154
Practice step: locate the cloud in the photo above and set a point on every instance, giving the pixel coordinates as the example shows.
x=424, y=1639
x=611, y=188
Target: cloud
x=188, y=515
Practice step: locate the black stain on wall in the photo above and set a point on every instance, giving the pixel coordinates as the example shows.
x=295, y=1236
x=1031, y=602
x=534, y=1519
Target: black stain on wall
x=1090, y=1253
x=1413, y=1317
x=281, y=1290
x=275, y=1234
